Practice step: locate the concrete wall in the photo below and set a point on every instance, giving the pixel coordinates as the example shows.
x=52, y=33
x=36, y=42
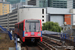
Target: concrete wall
x=8, y=21
x=32, y=13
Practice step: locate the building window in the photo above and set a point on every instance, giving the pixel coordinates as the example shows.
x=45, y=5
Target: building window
x=43, y=20
x=42, y=16
x=42, y=11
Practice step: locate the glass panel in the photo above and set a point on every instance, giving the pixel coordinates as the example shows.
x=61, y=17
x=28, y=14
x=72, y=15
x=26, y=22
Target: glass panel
x=27, y=27
x=32, y=26
x=38, y=27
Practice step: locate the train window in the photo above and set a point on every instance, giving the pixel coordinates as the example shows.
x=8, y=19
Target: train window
x=37, y=27
x=32, y=26
x=27, y=26
x=16, y=26
x=21, y=26
x=32, y=21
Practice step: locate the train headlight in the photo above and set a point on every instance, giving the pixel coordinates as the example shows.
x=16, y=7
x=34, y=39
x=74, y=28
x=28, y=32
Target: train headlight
x=26, y=35
x=39, y=34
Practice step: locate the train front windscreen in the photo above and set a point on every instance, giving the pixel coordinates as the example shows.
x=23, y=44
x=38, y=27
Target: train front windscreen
x=32, y=25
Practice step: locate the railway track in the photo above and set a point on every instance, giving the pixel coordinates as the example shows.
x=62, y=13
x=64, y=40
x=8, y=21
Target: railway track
x=49, y=43
x=53, y=36
x=47, y=46
x=40, y=46
x=31, y=48
x=52, y=41
x=56, y=43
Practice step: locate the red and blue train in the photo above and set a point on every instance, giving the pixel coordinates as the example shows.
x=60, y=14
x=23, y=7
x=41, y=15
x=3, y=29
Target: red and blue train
x=29, y=29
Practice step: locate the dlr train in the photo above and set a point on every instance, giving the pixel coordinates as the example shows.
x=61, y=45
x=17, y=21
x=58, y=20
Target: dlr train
x=29, y=30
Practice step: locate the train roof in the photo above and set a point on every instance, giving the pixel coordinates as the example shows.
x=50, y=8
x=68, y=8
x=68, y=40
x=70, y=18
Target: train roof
x=27, y=19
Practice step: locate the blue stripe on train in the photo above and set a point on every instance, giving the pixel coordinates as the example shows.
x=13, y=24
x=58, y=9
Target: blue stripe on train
x=23, y=33
x=41, y=33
